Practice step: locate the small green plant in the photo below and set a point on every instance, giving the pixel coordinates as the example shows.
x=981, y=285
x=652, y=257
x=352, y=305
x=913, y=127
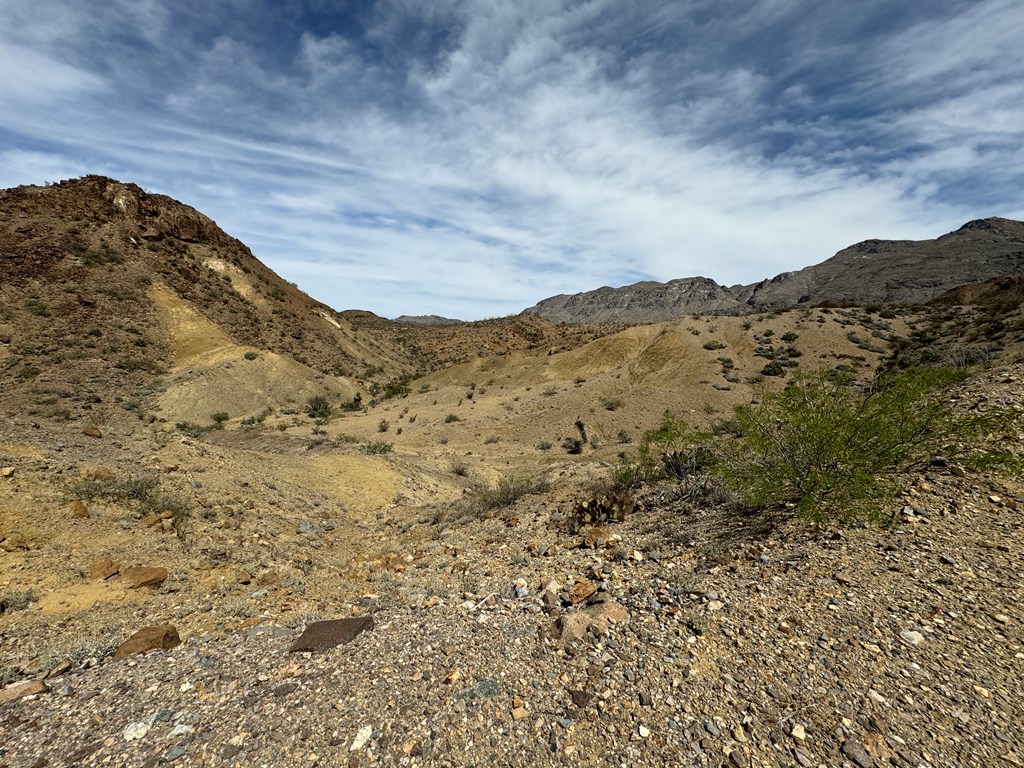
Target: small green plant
x=460, y=468
x=572, y=445
x=219, y=419
x=451, y=418
x=383, y=425
x=508, y=491
x=612, y=404
x=544, y=445
x=711, y=345
x=319, y=407
x=774, y=368
x=377, y=447
x=789, y=337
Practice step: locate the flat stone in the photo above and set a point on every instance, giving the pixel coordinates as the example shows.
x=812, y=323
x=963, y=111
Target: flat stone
x=520, y=713
x=594, y=619
x=6, y=471
x=147, y=639
x=323, y=635
x=142, y=576
x=92, y=431
x=103, y=569
x=78, y=509
x=854, y=750
x=581, y=591
x=910, y=637
x=21, y=689
x=481, y=690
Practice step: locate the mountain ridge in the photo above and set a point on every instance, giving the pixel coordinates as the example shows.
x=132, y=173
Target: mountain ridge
x=872, y=271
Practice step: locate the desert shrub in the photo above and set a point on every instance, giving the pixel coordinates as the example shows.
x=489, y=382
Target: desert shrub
x=383, y=425
x=774, y=368
x=375, y=447
x=711, y=345
x=17, y=600
x=219, y=419
x=460, y=468
x=491, y=439
x=250, y=355
x=833, y=448
x=544, y=445
x=612, y=404
x=550, y=391
x=572, y=445
x=508, y=491
x=789, y=337
x=318, y=407
x=451, y=418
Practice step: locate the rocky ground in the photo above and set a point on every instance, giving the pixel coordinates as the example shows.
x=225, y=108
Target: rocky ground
x=686, y=635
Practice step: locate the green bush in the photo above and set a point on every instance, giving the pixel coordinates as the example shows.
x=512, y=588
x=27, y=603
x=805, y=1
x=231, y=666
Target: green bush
x=318, y=407
x=377, y=447
x=833, y=448
x=451, y=418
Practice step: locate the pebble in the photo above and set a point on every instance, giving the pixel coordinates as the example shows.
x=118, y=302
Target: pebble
x=362, y=738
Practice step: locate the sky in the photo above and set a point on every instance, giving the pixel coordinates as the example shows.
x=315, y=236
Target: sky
x=468, y=158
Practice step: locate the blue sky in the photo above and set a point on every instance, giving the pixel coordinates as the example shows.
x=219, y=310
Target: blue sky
x=471, y=157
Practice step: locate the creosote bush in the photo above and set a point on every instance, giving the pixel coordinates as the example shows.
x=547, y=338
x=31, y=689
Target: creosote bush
x=833, y=448
x=508, y=491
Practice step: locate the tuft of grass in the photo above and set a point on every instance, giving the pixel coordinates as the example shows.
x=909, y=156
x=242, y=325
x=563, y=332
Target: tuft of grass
x=17, y=600
x=508, y=491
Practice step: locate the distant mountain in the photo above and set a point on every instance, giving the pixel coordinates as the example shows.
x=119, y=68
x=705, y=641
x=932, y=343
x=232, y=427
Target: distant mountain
x=426, y=320
x=870, y=272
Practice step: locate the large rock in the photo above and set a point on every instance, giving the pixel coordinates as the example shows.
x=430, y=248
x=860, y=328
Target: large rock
x=147, y=639
x=324, y=635
x=141, y=576
x=596, y=619
x=103, y=568
x=21, y=689
x=78, y=509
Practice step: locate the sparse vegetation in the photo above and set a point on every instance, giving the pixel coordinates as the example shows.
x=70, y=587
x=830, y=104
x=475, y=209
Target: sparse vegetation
x=17, y=600
x=319, y=407
x=375, y=447
x=508, y=491
x=451, y=418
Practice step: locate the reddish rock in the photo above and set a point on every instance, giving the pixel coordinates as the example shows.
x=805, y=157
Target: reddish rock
x=148, y=639
x=581, y=591
x=324, y=635
x=78, y=509
x=103, y=569
x=21, y=689
x=141, y=576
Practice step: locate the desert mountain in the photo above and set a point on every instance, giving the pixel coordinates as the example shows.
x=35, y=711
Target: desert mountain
x=871, y=272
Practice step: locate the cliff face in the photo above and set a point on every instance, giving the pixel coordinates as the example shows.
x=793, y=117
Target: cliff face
x=870, y=272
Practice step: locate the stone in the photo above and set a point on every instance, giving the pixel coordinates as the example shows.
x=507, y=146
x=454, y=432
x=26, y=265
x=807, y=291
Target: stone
x=78, y=509
x=138, y=729
x=103, y=569
x=520, y=713
x=97, y=473
x=549, y=601
x=362, y=738
x=854, y=750
x=92, y=431
x=147, y=639
x=799, y=732
x=644, y=731
x=581, y=591
x=6, y=472
x=910, y=637
x=595, y=619
x=21, y=689
x=581, y=698
x=141, y=576
x=323, y=635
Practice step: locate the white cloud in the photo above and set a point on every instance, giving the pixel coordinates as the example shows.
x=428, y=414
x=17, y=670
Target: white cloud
x=527, y=154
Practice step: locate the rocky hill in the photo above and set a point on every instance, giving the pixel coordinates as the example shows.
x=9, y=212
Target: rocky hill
x=871, y=272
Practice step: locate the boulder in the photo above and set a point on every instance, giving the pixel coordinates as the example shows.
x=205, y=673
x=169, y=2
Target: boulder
x=92, y=431
x=103, y=569
x=573, y=627
x=147, y=639
x=142, y=576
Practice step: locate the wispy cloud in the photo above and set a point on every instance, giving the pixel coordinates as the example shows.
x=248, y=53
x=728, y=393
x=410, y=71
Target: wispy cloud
x=469, y=157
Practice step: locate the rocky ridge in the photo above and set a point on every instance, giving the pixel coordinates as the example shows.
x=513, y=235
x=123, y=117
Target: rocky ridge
x=871, y=272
